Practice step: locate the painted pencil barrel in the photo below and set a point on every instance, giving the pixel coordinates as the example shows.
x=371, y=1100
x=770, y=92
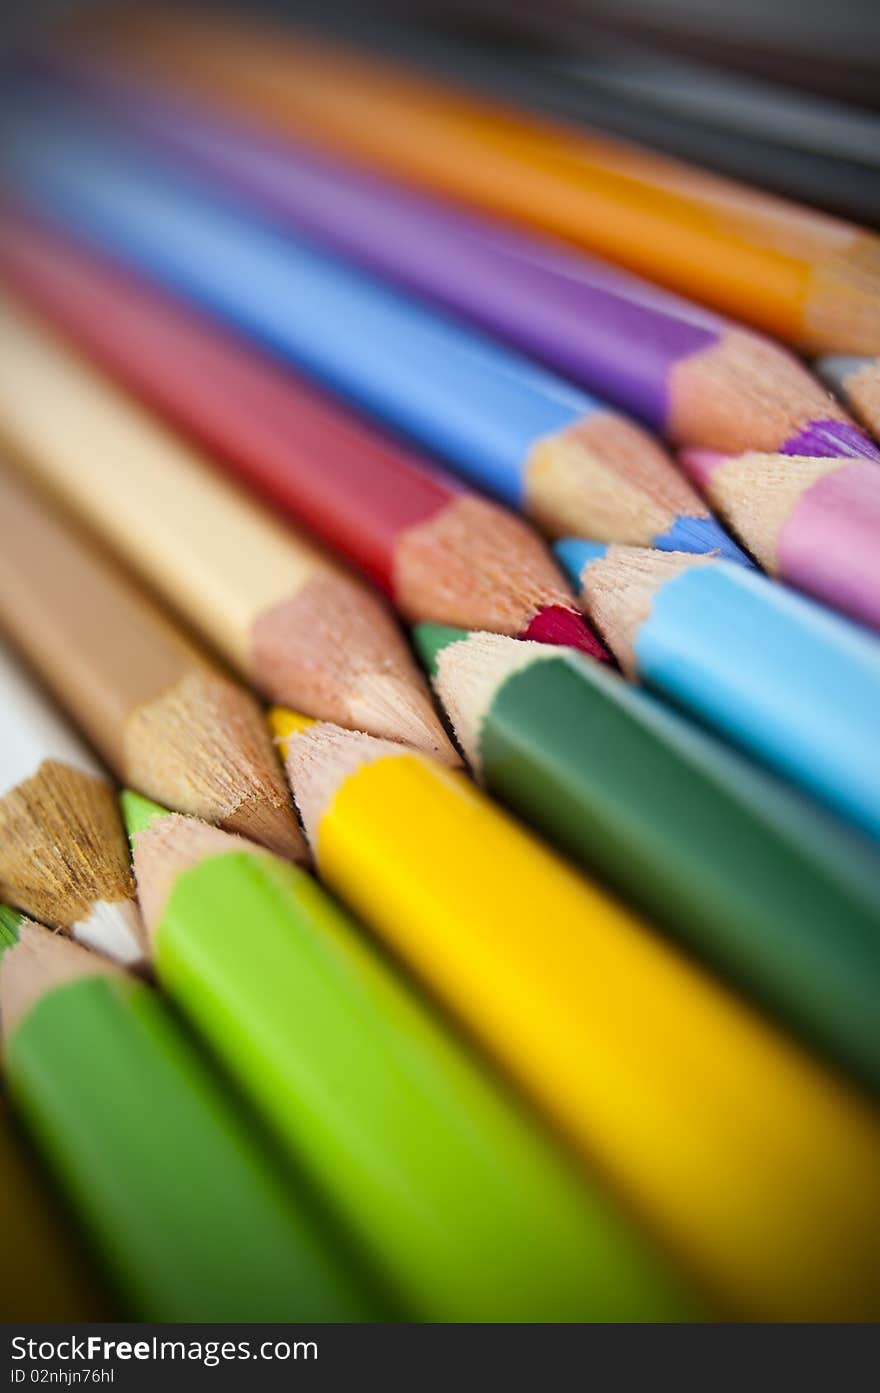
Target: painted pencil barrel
x=540, y=296
x=673, y=364
x=799, y=274
x=782, y=677
x=755, y=1165
x=533, y=440
x=295, y=299
x=449, y=1189
x=189, y=1216
x=753, y=878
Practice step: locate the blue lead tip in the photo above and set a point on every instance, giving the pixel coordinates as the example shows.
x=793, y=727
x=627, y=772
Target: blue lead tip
x=701, y=535
x=575, y=554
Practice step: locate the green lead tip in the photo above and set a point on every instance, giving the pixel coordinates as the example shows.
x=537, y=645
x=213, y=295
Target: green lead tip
x=9, y=922
x=138, y=813
x=431, y=639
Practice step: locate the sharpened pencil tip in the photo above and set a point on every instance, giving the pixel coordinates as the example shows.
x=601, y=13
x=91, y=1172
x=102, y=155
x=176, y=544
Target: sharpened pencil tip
x=429, y=640
x=573, y=554
x=273, y=826
x=565, y=628
x=138, y=812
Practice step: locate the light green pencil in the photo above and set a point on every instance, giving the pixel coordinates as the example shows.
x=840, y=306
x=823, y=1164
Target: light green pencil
x=469, y=1212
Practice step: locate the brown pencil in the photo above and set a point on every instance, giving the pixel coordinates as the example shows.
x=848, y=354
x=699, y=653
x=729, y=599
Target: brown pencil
x=165, y=719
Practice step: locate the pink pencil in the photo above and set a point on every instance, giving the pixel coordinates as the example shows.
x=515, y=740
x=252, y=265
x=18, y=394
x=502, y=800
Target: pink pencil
x=812, y=522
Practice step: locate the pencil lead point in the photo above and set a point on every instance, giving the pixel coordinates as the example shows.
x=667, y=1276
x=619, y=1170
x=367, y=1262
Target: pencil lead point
x=429, y=640
x=832, y=439
x=284, y=724
x=701, y=535
x=573, y=554
x=116, y=930
x=138, y=813
x=565, y=627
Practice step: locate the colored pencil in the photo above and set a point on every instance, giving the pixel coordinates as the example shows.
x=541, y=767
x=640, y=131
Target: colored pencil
x=439, y=551
x=451, y=1192
x=188, y=1213
x=670, y=818
x=857, y=381
x=281, y=611
x=684, y=371
x=163, y=717
x=757, y=1168
x=800, y=275
x=533, y=440
x=48, y=1276
x=812, y=522
x=63, y=856
x=784, y=678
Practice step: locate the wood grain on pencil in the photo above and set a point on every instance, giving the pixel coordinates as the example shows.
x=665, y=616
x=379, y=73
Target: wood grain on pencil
x=163, y=716
x=286, y=616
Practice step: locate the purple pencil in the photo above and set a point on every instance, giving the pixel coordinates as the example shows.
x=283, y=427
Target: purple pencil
x=688, y=373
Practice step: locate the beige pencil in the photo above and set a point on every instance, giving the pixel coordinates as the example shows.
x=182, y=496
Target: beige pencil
x=165, y=719
x=289, y=619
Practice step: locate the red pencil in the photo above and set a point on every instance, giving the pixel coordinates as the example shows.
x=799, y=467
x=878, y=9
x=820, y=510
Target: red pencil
x=442, y=552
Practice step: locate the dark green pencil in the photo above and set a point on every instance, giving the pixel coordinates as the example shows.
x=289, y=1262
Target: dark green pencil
x=765, y=886
x=187, y=1213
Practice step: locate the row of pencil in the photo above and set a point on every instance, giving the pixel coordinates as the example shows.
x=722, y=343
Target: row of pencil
x=680, y=1124
x=414, y=1183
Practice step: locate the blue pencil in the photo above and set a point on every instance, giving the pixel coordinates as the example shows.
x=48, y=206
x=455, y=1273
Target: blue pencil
x=532, y=439
x=784, y=678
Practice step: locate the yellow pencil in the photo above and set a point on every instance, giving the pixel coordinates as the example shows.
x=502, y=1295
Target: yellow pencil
x=756, y=1167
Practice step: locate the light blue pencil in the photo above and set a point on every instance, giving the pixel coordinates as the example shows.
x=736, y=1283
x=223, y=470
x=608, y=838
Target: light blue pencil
x=531, y=439
x=788, y=680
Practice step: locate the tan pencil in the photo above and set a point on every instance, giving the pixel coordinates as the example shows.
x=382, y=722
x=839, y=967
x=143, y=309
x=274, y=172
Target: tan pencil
x=63, y=852
x=280, y=610
x=164, y=718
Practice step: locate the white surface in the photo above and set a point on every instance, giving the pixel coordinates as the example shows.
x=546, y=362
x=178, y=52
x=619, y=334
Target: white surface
x=32, y=731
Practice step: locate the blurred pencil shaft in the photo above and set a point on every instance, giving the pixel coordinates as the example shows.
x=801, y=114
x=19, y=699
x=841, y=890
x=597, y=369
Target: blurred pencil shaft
x=791, y=271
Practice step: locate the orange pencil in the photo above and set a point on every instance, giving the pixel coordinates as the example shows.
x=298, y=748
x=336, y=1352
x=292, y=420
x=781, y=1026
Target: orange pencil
x=804, y=276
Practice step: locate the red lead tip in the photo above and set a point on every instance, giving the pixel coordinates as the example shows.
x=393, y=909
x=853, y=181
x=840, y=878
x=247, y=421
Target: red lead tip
x=566, y=628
